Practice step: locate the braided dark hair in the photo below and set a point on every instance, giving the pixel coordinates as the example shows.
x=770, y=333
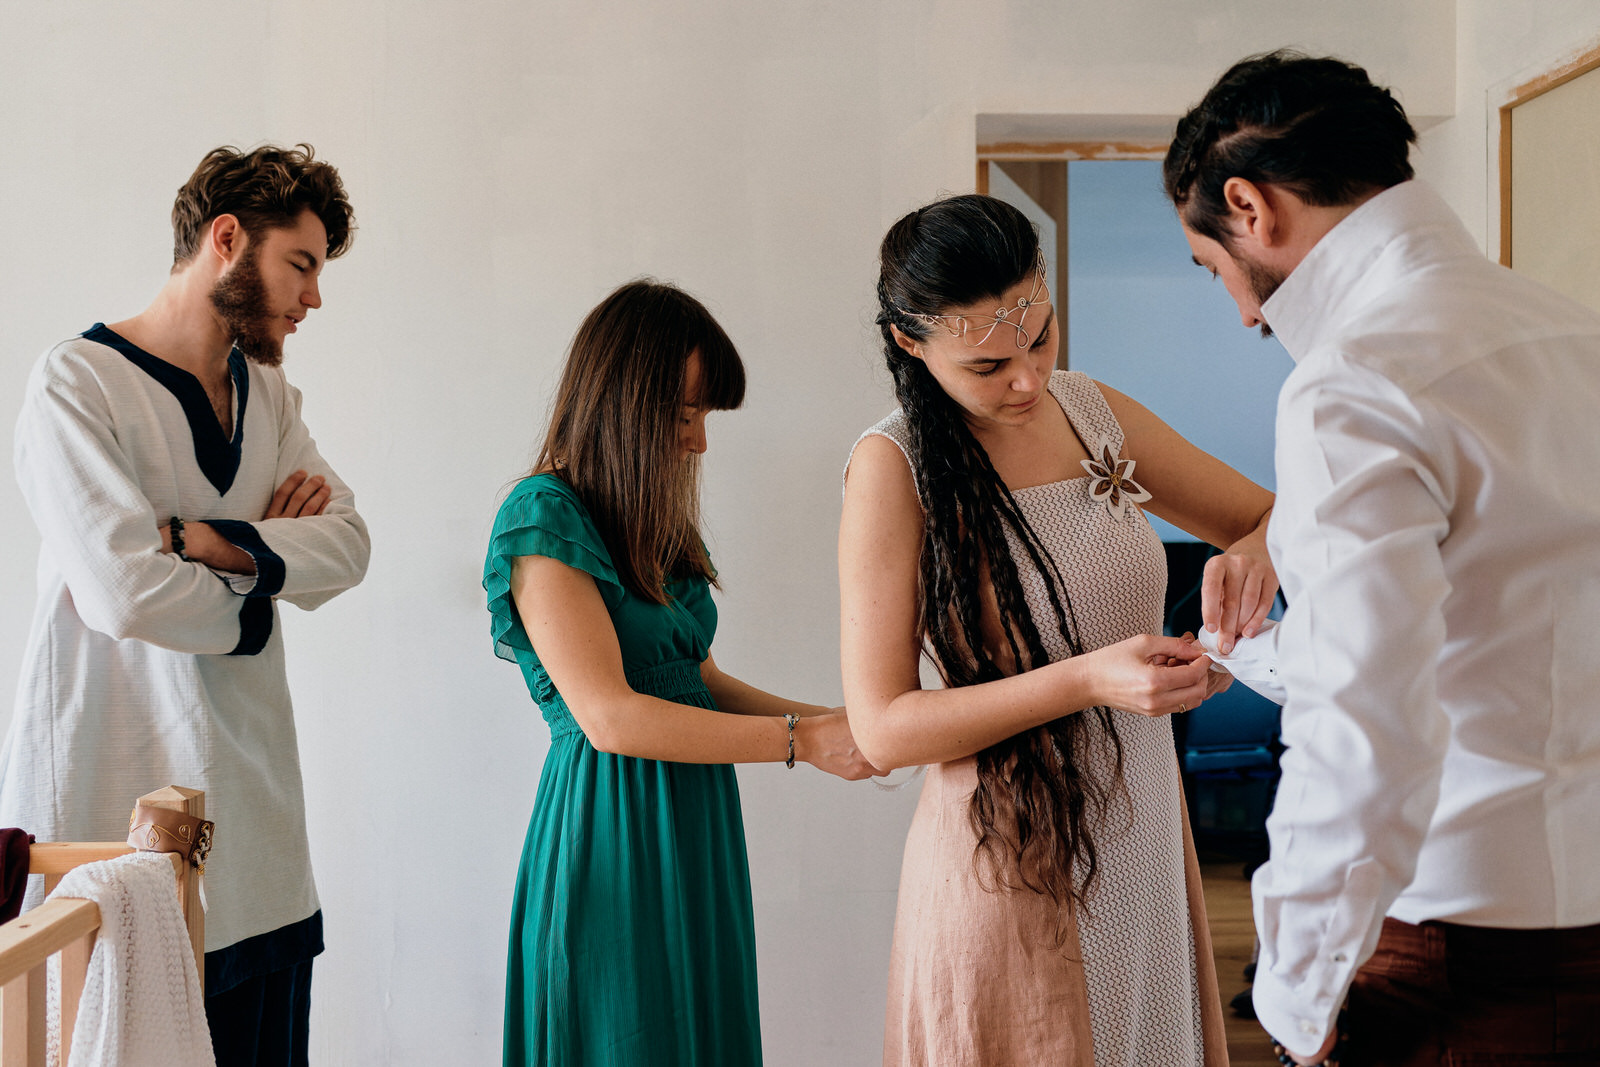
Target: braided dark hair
x=1316, y=126
x=1035, y=801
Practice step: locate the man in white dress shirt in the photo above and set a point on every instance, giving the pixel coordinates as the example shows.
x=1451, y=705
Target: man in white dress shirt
x=179, y=497
x=1436, y=837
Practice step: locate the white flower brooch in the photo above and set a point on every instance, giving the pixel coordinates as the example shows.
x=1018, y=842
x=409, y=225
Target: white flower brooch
x=1111, y=480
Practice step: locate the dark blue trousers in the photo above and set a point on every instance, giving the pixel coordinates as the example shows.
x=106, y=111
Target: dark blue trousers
x=258, y=996
x=262, y=1021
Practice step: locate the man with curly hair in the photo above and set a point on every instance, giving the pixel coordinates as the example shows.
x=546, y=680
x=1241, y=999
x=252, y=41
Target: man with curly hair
x=1435, y=851
x=179, y=497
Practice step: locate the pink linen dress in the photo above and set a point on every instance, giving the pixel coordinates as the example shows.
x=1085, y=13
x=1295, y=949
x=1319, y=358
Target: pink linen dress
x=979, y=977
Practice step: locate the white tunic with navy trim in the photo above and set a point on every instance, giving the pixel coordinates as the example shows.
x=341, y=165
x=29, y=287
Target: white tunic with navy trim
x=143, y=670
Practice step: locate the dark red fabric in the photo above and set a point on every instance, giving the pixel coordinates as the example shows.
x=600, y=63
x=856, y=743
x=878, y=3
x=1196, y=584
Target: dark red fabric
x=1470, y=996
x=13, y=871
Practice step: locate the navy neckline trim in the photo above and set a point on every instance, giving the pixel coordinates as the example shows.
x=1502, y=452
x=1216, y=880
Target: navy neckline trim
x=217, y=456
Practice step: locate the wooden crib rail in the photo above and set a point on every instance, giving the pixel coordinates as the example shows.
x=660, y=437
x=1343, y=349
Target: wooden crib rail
x=54, y=859
x=69, y=926
x=26, y=945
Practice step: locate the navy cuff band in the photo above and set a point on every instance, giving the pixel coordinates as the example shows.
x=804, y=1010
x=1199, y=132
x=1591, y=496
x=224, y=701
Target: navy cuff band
x=255, y=626
x=270, y=570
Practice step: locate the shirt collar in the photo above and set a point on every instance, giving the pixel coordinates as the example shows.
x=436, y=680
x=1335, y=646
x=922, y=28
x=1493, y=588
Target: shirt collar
x=1361, y=255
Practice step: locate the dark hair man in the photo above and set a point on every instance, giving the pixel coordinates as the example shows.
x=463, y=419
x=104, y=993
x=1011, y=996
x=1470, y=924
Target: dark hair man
x=1437, y=532
x=179, y=496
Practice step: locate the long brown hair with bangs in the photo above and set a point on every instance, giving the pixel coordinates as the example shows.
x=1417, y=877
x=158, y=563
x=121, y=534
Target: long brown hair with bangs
x=614, y=428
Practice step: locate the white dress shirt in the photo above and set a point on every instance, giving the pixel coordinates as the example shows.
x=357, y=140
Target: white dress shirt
x=1437, y=533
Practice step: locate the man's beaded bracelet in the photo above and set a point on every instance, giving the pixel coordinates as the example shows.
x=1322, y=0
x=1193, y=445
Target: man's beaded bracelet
x=175, y=526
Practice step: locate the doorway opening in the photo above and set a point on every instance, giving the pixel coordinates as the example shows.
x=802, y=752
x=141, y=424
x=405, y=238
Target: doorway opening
x=1139, y=315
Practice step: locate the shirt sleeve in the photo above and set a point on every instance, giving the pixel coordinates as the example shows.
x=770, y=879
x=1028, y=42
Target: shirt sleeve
x=306, y=561
x=102, y=532
x=1363, y=506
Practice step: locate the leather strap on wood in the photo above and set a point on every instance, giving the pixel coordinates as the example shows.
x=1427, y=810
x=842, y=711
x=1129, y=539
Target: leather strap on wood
x=165, y=830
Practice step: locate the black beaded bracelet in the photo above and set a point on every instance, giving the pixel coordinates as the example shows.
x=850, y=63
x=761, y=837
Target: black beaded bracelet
x=791, y=720
x=175, y=524
x=1332, y=1059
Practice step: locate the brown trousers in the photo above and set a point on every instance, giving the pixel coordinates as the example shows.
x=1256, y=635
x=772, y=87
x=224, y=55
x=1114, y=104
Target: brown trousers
x=1464, y=996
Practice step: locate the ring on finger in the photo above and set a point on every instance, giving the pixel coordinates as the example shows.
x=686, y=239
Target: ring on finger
x=1181, y=707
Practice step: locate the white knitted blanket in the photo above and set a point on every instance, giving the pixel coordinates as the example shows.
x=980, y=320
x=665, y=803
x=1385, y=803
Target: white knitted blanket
x=142, y=1004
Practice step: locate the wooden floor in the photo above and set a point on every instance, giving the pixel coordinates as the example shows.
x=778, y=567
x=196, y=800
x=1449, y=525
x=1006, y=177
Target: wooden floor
x=1233, y=939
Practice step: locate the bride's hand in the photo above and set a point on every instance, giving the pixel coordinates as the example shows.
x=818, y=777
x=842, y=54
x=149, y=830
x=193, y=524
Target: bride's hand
x=1216, y=681
x=1149, y=675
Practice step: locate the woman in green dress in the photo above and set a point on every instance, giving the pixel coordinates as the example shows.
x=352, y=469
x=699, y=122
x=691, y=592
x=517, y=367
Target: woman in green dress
x=632, y=937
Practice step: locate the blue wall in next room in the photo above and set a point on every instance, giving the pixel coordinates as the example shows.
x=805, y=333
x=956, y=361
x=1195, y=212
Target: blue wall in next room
x=1145, y=320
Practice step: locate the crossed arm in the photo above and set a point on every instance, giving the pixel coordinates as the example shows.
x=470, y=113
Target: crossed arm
x=85, y=492
x=300, y=496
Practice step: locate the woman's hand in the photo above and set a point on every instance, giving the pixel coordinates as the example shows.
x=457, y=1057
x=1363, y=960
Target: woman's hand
x=825, y=742
x=1217, y=681
x=1149, y=675
x=1237, y=591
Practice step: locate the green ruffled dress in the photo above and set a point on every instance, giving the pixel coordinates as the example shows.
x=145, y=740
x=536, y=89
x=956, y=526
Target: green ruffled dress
x=632, y=933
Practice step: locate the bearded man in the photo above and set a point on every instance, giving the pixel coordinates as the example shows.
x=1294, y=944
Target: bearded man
x=1435, y=850
x=179, y=497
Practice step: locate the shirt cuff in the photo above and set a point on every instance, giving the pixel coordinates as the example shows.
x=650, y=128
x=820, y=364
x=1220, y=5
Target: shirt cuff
x=270, y=570
x=1298, y=1027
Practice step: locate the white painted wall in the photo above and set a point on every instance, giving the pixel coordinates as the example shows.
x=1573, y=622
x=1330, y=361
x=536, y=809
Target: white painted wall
x=509, y=164
x=1500, y=45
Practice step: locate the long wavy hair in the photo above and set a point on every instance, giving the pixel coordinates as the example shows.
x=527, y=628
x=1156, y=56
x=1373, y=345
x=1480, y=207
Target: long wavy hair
x=614, y=428
x=1035, y=804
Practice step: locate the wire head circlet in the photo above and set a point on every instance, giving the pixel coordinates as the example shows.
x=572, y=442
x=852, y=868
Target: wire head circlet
x=974, y=330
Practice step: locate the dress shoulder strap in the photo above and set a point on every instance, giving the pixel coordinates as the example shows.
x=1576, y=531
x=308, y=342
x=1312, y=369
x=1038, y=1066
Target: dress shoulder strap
x=1086, y=409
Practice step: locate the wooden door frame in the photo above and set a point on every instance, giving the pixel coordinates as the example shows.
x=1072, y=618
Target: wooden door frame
x=1575, y=67
x=1062, y=152
x=1065, y=151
